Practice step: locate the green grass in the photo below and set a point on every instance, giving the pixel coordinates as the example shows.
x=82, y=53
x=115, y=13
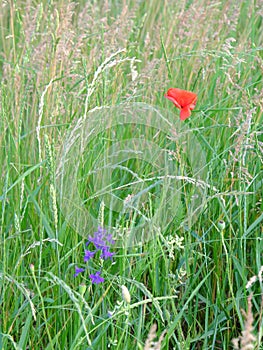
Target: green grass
x=100, y=69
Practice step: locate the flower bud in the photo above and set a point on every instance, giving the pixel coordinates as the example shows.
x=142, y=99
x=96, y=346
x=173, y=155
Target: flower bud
x=82, y=289
x=125, y=294
x=221, y=225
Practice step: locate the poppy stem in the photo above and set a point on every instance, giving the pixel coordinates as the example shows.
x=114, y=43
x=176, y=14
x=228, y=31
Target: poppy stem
x=166, y=58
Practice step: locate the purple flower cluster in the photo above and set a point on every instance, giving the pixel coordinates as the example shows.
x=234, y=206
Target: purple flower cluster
x=102, y=243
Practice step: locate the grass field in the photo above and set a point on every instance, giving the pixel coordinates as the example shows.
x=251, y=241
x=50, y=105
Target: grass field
x=122, y=225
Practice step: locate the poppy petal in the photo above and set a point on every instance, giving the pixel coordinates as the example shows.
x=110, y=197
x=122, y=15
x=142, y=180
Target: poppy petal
x=173, y=100
x=183, y=97
x=192, y=106
x=185, y=113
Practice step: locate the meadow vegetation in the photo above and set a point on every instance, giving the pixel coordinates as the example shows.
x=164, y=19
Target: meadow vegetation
x=197, y=284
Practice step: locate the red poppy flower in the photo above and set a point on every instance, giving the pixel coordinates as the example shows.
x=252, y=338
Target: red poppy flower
x=182, y=99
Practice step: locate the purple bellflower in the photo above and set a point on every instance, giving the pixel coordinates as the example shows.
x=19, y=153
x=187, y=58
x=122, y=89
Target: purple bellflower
x=102, y=242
